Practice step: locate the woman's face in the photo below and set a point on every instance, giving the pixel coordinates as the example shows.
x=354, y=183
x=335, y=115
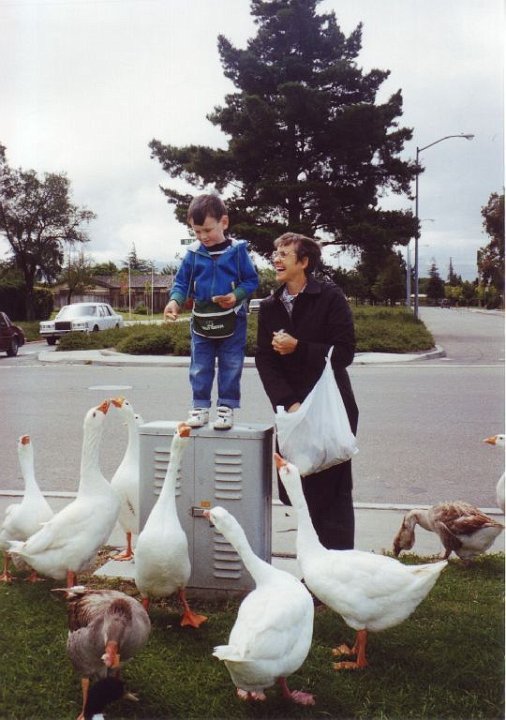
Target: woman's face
x=288, y=268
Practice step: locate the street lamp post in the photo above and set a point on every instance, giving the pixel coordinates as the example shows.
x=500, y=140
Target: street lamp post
x=417, y=235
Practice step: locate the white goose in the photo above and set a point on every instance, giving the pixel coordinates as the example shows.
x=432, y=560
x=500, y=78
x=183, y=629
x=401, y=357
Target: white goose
x=125, y=480
x=25, y=518
x=162, y=563
x=67, y=544
x=272, y=634
x=106, y=628
x=371, y=592
x=499, y=441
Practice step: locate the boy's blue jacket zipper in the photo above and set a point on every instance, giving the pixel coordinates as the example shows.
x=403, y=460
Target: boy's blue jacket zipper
x=217, y=276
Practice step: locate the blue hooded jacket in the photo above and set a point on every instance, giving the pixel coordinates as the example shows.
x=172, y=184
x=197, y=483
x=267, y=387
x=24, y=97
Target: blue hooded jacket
x=201, y=276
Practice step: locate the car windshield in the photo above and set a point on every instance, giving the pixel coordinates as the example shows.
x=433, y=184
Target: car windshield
x=74, y=311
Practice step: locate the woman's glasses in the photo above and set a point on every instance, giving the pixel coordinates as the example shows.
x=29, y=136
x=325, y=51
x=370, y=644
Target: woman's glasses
x=282, y=254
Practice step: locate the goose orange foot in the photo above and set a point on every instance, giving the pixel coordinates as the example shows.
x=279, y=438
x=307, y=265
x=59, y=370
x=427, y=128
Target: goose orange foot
x=296, y=696
x=358, y=649
x=189, y=618
x=246, y=695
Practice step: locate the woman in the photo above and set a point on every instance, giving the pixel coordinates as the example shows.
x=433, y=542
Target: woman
x=297, y=326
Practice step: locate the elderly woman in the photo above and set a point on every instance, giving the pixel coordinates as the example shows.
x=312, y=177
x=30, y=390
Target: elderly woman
x=314, y=316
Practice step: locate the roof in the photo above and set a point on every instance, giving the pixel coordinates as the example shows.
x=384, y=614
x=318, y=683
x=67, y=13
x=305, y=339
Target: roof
x=136, y=280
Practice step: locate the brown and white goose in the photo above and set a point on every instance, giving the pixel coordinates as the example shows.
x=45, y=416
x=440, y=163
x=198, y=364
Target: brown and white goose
x=106, y=628
x=462, y=529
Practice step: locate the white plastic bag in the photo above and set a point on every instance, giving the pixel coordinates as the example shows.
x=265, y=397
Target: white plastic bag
x=317, y=435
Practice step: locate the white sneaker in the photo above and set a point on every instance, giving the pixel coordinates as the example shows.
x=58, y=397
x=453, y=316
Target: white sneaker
x=198, y=417
x=225, y=418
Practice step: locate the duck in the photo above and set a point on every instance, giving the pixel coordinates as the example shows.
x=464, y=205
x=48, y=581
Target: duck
x=499, y=441
x=462, y=528
x=272, y=634
x=106, y=628
x=69, y=541
x=371, y=592
x=23, y=519
x=162, y=562
x=125, y=480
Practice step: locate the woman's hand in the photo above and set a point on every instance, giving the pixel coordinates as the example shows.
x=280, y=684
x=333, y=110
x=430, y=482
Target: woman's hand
x=283, y=343
x=294, y=407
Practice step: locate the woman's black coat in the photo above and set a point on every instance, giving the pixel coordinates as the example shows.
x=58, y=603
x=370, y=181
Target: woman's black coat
x=321, y=318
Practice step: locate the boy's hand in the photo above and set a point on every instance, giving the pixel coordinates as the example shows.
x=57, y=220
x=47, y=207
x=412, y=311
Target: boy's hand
x=225, y=301
x=171, y=311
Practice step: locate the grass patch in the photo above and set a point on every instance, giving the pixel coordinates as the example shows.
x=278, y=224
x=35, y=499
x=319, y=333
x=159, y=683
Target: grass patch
x=445, y=662
x=378, y=329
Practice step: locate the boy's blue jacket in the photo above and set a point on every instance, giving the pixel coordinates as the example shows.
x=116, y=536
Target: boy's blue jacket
x=200, y=276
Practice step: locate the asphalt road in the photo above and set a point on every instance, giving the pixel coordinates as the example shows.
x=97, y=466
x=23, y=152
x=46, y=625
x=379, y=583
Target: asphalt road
x=420, y=431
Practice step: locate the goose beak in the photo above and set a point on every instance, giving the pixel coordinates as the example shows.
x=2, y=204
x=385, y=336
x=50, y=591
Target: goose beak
x=104, y=407
x=280, y=462
x=491, y=440
x=118, y=402
x=24, y=439
x=183, y=430
x=111, y=656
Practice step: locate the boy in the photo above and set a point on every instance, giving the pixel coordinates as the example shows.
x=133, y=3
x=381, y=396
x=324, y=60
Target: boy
x=218, y=274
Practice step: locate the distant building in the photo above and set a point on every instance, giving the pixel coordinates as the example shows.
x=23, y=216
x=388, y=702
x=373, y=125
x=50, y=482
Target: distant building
x=114, y=290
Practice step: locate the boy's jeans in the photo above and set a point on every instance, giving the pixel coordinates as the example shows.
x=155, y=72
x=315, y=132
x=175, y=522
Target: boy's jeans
x=230, y=354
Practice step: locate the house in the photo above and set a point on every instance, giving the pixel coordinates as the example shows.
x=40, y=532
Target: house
x=145, y=289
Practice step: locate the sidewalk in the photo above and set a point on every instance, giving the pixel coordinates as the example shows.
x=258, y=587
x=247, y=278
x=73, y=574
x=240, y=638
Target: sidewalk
x=110, y=357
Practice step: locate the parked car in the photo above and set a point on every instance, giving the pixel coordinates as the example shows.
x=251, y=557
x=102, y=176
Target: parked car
x=80, y=317
x=11, y=336
x=254, y=305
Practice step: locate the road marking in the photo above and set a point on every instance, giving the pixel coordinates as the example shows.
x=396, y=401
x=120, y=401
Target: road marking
x=110, y=387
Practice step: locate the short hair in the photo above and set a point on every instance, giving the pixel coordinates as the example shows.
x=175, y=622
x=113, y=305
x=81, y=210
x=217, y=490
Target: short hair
x=203, y=205
x=304, y=247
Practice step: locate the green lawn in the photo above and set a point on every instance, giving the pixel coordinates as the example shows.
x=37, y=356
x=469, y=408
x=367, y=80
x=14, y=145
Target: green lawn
x=445, y=662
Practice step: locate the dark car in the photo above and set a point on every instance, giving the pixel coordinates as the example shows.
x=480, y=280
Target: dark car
x=11, y=336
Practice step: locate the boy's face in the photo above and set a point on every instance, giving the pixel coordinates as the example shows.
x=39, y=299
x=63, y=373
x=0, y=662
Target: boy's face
x=212, y=232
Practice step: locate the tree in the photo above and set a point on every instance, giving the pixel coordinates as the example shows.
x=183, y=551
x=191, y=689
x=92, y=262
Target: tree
x=37, y=218
x=453, y=279
x=491, y=256
x=77, y=275
x=435, y=286
x=308, y=148
x=105, y=268
x=137, y=264
x=390, y=285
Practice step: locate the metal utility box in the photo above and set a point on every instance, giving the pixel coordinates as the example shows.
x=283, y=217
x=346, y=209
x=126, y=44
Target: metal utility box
x=231, y=468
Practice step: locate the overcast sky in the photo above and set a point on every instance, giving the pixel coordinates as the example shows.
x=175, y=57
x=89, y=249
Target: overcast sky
x=86, y=84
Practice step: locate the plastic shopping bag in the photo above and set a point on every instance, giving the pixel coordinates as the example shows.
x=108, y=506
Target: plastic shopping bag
x=317, y=435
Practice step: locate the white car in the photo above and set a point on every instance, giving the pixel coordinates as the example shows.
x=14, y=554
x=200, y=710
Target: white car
x=80, y=317
x=254, y=305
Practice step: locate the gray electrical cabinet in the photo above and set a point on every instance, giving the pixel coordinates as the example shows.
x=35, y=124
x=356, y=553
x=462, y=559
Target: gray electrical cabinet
x=231, y=468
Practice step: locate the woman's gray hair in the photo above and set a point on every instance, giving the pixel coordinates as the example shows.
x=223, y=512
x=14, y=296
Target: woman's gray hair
x=304, y=247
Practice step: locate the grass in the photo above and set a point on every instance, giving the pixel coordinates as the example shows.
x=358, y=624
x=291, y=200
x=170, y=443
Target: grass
x=445, y=662
x=378, y=329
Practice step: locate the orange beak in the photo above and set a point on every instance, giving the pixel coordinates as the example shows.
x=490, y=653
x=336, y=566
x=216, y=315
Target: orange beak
x=491, y=440
x=24, y=439
x=111, y=657
x=183, y=430
x=280, y=462
x=104, y=407
x=118, y=402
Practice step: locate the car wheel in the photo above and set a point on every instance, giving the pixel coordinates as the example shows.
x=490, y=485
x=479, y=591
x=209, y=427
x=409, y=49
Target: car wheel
x=13, y=349
x=51, y=341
